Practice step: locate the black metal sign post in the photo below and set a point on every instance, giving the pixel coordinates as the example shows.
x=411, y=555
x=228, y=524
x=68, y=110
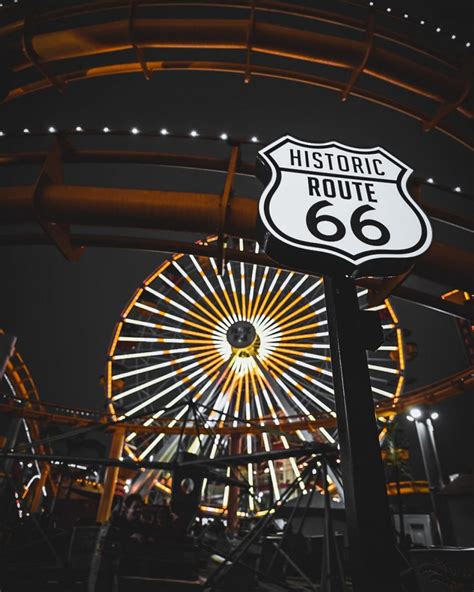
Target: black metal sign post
x=346, y=212
x=372, y=545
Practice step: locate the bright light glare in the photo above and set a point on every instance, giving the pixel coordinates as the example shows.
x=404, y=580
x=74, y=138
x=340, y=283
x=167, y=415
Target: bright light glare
x=416, y=413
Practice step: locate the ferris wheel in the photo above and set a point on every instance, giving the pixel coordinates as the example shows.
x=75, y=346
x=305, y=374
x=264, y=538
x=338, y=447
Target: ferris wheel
x=246, y=353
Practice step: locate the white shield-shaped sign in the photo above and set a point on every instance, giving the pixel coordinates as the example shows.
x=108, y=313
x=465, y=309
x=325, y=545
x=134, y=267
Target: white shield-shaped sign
x=334, y=209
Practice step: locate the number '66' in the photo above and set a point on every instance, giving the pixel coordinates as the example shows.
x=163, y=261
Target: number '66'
x=313, y=220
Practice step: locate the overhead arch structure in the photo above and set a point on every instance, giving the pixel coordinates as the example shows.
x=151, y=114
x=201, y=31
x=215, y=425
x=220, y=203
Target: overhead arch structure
x=382, y=60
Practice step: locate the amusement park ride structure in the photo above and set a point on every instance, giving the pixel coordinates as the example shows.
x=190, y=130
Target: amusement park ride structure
x=252, y=329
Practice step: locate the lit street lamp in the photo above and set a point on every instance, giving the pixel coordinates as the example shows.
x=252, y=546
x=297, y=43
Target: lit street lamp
x=426, y=438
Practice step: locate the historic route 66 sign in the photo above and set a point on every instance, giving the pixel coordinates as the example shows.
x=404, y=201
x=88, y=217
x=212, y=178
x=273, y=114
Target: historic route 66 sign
x=335, y=209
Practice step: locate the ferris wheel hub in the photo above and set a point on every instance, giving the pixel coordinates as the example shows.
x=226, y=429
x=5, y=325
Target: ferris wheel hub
x=243, y=338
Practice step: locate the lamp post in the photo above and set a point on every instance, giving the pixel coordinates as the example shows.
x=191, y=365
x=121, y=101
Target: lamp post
x=425, y=431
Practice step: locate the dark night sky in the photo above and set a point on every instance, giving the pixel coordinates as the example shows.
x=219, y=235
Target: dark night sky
x=64, y=314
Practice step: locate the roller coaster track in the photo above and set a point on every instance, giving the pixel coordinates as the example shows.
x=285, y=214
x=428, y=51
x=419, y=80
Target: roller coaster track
x=46, y=413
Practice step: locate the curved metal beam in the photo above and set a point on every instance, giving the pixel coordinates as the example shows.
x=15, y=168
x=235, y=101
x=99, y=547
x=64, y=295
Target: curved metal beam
x=187, y=212
x=387, y=63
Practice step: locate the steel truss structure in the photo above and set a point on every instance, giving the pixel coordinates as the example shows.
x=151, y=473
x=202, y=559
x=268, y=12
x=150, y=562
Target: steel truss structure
x=25, y=432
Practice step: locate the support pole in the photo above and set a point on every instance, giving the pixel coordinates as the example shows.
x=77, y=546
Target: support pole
x=232, y=518
x=111, y=474
x=429, y=453
x=371, y=541
x=332, y=575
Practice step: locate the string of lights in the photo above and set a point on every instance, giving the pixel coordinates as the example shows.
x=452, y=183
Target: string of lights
x=193, y=134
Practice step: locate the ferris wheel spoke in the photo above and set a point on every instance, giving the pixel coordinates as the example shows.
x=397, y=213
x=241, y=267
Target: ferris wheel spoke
x=174, y=386
x=169, y=328
x=274, y=304
x=132, y=339
x=306, y=336
x=261, y=286
x=160, y=437
x=197, y=289
x=234, y=289
x=161, y=378
x=190, y=299
x=301, y=319
x=243, y=289
x=182, y=320
x=186, y=309
x=301, y=298
x=220, y=282
x=263, y=374
x=161, y=352
x=238, y=400
x=251, y=291
x=290, y=361
x=258, y=312
x=183, y=396
x=385, y=369
x=272, y=295
x=279, y=367
x=265, y=439
x=173, y=362
x=382, y=392
x=304, y=354
x=211, y=288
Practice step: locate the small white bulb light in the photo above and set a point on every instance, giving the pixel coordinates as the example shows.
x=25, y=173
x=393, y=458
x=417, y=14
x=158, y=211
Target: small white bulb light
x=135, y=131
x=79, y=128
x=410, y=418
x=434, y=415
x=254, y=139
x=26, y=130
x=51, y=129
x=438, y=29
x=416, y=413
x=224, y=136
x=193, y=134
x=106, y=130
x=164, y=131
x=457, y=189
x=1, y=133
x=430, y=180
